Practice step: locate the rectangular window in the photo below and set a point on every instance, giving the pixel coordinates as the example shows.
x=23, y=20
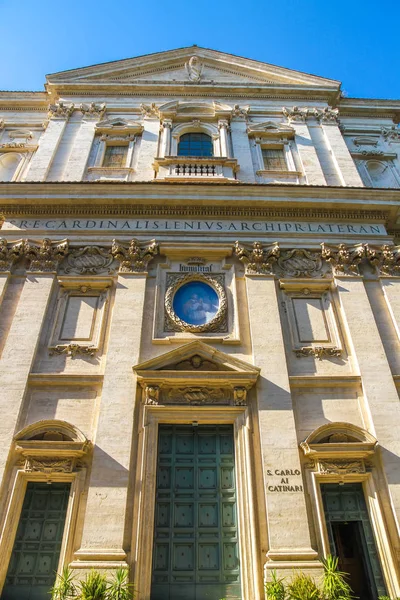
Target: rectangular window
x=115, y=156
x=274, y=160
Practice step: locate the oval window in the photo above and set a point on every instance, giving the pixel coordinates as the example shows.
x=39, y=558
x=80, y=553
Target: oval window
x=196, y=303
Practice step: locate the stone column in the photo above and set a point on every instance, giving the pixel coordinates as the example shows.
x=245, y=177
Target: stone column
x=3, y=284
x=23, y=337
x=379, y=390
x=241, y=146
x=105, y=539
x=49, y=142
x=148, y=146
x=391, y=292
x=223, y=127
x=288, y=527
x=77, y=161
x=344, y=163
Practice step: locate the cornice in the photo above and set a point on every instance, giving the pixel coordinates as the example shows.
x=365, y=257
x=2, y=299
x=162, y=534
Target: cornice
x=190, y=211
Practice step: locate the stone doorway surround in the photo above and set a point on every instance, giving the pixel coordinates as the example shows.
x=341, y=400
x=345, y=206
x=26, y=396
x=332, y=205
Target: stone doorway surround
x=59, y=459
x=344, y=453
x=196, y=383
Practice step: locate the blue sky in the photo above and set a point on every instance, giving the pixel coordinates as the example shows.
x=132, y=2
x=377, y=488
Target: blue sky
x=354, y=41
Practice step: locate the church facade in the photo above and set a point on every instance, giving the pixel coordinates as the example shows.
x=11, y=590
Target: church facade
x=199, y=328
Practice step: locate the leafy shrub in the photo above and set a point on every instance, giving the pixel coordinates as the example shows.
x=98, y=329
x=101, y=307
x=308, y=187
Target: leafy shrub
x=64, y=587
x=119, y=588
x=334, y=584
x=275, y=588
x=94, y=587
x=303, y=587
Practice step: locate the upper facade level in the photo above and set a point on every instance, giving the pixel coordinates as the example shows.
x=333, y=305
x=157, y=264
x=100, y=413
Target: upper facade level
x=195, y=114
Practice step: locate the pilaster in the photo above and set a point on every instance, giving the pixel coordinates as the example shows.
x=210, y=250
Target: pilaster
x=380, y=395
x=105, y=536
x=77, y=161
x=345, y=165
x=148, y=145
x=42, y=159
x=19, y=353
x=288, y=528
x=241, y=147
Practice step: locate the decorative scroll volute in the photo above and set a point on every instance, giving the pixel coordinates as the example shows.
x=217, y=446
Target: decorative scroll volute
x=45, y=256
x=344, y=259
x=259, y=259
x=134, y=258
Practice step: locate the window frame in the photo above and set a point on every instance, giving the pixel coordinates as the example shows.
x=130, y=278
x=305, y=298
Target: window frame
x=202, y=139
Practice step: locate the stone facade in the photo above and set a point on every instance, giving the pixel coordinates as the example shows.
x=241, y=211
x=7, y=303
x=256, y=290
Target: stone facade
x=289, y=218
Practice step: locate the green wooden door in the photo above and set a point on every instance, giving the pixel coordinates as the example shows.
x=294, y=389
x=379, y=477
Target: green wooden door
x=196, y=549
x=344, y=503
x=36, y=552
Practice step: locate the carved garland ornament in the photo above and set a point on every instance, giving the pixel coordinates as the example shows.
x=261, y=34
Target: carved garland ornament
x=217, y=323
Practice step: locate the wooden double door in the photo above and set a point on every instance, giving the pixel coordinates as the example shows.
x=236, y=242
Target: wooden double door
x=36, y=552
x=196, y=546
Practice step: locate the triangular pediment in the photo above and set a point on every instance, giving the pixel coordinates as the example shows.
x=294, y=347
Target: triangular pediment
x=192, y=66
x=270, y=128
x=196, y=357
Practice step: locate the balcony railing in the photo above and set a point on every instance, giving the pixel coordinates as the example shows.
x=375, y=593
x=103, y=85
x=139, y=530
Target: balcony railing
x=181, y=168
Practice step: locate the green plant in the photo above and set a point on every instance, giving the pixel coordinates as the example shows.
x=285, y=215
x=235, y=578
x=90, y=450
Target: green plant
x=303, y=587
x=275, y=588
x=334, y=584
x=64, y=587
x=119, y=588
x=94, y=587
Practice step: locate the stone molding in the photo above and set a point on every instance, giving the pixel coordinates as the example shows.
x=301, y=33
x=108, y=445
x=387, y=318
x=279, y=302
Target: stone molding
x=319, y=352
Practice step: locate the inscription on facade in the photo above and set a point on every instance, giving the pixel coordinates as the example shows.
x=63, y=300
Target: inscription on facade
x=188, y=226
x=283, y=480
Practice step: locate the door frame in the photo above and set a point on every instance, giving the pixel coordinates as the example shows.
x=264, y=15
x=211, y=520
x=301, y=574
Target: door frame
x=14, y=509
x=251, y=570
x=375, y=513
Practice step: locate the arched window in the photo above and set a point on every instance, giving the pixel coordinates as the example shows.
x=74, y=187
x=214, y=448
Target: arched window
x=9, y=162
x=195, y=144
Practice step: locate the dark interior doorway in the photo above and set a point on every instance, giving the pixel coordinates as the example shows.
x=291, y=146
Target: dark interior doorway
x=349, y=545
x=351, y=538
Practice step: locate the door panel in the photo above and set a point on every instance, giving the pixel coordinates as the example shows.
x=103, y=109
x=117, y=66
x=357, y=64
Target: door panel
x=196, y=552
x=37, y=546
x=350, y=534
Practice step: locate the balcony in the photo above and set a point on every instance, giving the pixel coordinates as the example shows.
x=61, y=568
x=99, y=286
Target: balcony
x=196, y=168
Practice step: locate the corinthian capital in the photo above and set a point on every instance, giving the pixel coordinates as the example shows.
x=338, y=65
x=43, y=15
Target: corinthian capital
x=258, y=259
x=327, y=114
x=60, y=110
x=45, y=256
x=344, y=259
x=93, y=110
x=385, y=258
x=296, y=114
x=150, y=110
x=134, y=258
x=10, y=254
